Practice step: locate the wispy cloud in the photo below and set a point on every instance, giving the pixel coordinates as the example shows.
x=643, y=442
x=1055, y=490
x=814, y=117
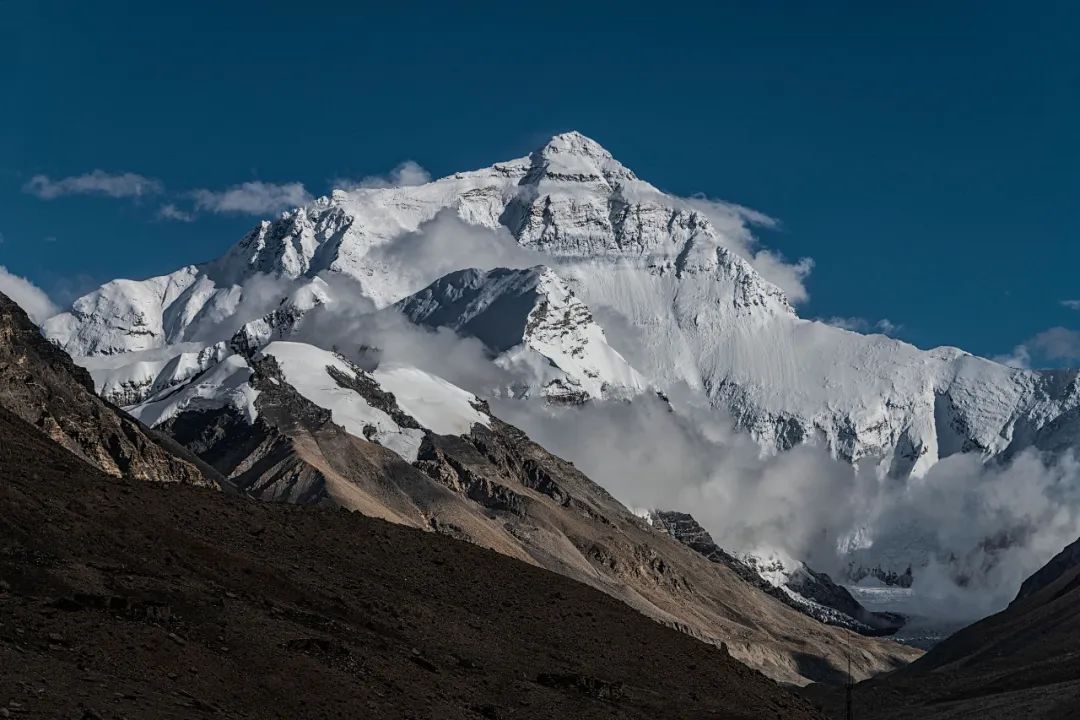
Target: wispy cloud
x=252, y=198
x=1058, y=343
x=862, y=325
x=97, y=182
x=27, y=295
x=170, y=211
x=1056, y=346
x=1019, y=358
x=1071, y=304
x=406, y=174
x=734, y=226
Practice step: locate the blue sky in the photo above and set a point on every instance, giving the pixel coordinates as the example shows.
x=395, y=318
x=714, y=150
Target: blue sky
x=925, y=157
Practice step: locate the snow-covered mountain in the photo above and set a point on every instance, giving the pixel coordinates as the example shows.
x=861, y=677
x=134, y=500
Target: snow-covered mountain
x=583, y=282
x=530, y=319
x=697, y=311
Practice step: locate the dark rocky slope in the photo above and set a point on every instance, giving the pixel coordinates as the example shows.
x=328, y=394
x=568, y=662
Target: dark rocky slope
x=1023, y=662
x=123, y=599
x=1059, y=565
x=40, y=384
x=816, y=594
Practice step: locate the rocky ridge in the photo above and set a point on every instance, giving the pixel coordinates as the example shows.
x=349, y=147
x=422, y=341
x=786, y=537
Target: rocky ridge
x=41, y=385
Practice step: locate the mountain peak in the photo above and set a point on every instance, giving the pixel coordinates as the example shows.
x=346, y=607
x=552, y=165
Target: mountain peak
x=574, y=143
x=573, y=156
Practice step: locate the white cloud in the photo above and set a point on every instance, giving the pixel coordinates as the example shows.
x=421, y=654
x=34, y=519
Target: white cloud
x=97, y=182
x=27, y=295
x=788, y=276
x=1019, y=358
x=855, y=324
x=252, y=198
x=862, y=325
x=406, y=174
x=1056, y=346
x=887, y=327
x=1057, y=343
x=803, y=502
x=447, y=243
x=1071, y=304
x=171, y=212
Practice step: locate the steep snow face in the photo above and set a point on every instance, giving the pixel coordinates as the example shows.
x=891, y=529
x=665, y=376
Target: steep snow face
x=227, y=384
x=671, y=283
x=524, y=314
x=130, y=378
x=122, y=315
x=318, y=376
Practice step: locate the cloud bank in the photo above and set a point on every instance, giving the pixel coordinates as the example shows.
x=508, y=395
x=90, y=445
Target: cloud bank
x=447, y=243
x=823, y=511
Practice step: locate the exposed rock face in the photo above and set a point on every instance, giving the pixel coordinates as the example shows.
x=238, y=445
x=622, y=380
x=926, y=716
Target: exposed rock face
x=889, y=577
x=565, y=519
x=40, y=384
x=526, y=315
x=819, y=589
x=809, y=592
x=684, y=528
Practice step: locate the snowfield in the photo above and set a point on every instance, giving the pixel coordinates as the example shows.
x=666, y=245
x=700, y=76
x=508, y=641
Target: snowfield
x=436, y=404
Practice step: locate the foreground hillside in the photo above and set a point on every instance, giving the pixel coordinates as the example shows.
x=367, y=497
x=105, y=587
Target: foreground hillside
x=1023, y=662
x=137, y=600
